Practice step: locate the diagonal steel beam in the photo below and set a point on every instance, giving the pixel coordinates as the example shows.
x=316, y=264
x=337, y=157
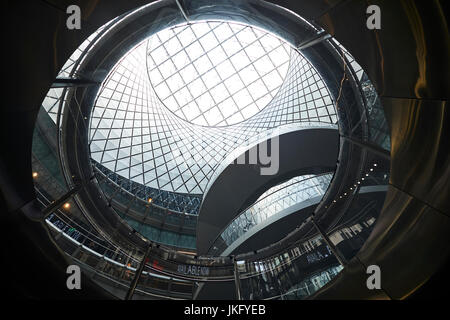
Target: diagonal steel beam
x=58, y=203
x=138, y=274
x=183, y=11
x=339, y=256
x=370, y=147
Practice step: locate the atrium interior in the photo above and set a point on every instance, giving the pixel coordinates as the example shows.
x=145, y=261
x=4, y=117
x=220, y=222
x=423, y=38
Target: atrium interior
x=230, y=149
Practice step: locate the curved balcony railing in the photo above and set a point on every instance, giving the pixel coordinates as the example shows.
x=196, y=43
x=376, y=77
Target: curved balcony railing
x=271, y=203
x=181, y=204
x=259, y=138
x=112, y=268
x=291, y=275
x=157, y=223
x=167, y=263
x=294, y=272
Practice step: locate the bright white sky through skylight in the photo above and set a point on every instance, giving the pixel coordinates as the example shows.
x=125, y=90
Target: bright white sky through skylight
x=216, y=73
x=145, y=124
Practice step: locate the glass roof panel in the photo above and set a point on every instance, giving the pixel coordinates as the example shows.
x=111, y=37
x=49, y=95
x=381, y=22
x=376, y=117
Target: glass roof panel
x=176, y=143
x=189, y=66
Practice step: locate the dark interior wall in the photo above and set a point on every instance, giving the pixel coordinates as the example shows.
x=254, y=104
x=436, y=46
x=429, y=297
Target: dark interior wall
x=405, y=60
x=37, y=44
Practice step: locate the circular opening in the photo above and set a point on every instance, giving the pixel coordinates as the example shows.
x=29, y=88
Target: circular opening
x=216, y=73
x=142, y=140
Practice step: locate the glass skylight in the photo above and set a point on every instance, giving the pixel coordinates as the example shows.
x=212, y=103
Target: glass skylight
x=138, y=134
x=274, y=200
x=216, y=73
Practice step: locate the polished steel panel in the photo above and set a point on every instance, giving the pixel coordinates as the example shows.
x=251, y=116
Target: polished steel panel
x=408, y=56
x=406, y=59
x=420, y=161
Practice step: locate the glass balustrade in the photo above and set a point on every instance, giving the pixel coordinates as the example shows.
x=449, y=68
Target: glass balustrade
x=272, y=202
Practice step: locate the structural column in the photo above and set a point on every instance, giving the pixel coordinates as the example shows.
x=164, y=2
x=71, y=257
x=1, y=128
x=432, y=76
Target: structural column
x=339, y=256
x=137, y=275
x=237, y=280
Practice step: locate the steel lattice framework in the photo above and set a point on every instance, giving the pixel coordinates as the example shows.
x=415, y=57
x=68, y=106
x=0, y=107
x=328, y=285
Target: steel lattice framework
x=143, y=129
x=138, y=134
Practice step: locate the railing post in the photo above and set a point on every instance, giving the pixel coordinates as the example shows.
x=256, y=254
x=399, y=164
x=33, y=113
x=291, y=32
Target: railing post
x=237, y=280
x=137, y=275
